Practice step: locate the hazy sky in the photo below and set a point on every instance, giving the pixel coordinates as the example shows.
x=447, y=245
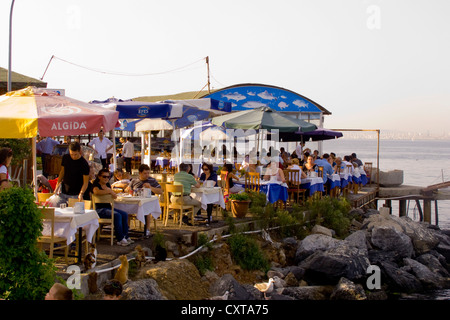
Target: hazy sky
x=374, y=64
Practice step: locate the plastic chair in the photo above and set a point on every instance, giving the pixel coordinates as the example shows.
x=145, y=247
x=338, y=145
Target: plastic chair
x=178, y=208
x=15, y=175
x=42, y=197
x=105, y=198
x=48, y=215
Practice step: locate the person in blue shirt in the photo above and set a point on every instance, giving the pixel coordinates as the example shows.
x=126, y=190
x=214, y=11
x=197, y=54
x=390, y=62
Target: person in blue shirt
x=327, y=168
x=46, y=146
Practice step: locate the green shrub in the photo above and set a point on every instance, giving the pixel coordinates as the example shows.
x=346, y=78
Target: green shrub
x=291, y=224
x=246, y=253
x=204, y=262
x=26, y=273
x=203, y=241
x=331, y=213
x=243, y=196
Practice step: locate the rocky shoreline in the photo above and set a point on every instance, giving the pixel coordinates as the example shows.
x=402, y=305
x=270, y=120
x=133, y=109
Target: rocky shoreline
x=406, y=256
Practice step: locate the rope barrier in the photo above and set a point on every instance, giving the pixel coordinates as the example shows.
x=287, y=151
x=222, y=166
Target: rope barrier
x=198, y=249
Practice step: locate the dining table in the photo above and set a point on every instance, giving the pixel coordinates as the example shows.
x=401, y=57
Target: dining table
x=313, y=184
x=68, y=223
x=139, y=205
x=162, y=162
x=273, y=189
x=208, y=195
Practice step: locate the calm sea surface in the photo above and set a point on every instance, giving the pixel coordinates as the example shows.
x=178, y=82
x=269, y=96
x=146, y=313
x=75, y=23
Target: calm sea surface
x=424, y=162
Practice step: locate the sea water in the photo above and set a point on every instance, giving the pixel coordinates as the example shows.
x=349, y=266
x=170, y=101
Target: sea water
x=424, y=162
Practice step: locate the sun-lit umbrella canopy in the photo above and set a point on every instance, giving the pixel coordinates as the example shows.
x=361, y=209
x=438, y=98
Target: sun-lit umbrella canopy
x=262, y=118
x=153, y=124
x=25, y=112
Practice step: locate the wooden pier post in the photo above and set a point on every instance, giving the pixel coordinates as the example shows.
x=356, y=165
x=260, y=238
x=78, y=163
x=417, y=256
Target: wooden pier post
x=388, y=204
x=402, y=208
x=436, y=213
x=427, y=210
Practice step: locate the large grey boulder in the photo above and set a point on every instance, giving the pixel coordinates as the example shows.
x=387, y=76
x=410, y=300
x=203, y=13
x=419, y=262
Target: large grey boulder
x=400, y=279
x=390, y=239
x=423, y=239
x=343, y=260
x=429, y=279
x=358, y=239
x=308, y=292
x=434, y=264
x=313, y=243
x=348, y=290
x=444, y=244
x=228, y=283
x=145, y=289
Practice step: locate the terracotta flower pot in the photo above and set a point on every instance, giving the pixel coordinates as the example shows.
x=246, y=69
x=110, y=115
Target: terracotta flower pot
x=239, y=208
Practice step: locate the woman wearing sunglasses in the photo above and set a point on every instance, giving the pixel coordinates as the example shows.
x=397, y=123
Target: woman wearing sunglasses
x=101, y=186
x=208, y=174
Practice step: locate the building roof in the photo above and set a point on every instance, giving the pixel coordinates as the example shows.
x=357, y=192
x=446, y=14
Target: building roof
x=18, y=81
x=248, y=95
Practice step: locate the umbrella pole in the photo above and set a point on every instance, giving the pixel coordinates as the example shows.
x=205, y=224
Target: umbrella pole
x=114, y=149
x=33, y=151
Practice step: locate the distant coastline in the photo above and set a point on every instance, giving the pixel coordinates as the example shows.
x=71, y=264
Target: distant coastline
x=394, y=135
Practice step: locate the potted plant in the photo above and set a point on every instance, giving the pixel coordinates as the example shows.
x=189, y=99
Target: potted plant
x=239, y=204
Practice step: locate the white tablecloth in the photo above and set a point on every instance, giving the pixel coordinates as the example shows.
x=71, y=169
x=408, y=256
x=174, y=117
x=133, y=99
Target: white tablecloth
x=139, y=205
x=312, y=181
x=69, y=222
x=208, y=196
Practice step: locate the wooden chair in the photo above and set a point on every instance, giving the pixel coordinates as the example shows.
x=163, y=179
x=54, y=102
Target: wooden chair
x=320, y=172
x=105, y=198
x=225, y=185
x=48, y=215
x=181, y=208
x=163, y=201
x=293, y=181
x=368, y=170
x=252, y=181
x=42, y=197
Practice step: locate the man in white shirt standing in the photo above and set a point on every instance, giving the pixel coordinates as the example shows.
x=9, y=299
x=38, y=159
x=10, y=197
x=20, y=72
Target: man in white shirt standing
x=101, y=146
x=127, y=152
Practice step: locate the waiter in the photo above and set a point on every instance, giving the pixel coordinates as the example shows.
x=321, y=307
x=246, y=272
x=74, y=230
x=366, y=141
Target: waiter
x=101, y=146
